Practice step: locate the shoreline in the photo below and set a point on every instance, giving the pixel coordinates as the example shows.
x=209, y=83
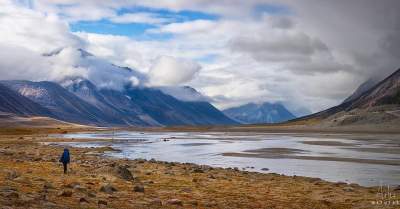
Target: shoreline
x=30, y=175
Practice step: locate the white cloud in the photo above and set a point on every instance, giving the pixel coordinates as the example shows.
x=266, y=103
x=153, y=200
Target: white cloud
x=169, y=71
x=140, y=17
x=306, y=57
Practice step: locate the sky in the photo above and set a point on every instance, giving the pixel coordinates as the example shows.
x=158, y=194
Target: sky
x=306, y=54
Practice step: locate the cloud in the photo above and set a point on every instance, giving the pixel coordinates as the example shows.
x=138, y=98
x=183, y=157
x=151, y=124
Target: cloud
x=140, y=17
x=302, y=53
x=168, y=71
x=196, y=26
x=33, y=30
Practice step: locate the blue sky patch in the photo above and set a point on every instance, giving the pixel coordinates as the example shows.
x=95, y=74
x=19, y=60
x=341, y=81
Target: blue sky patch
x=137, y=30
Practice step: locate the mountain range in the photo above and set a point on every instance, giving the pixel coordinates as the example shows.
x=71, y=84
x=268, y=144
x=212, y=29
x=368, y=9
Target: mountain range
x=79, y=100
x=260, y=113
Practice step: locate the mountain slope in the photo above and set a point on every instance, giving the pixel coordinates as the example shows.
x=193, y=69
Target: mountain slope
x=378, y=101
x=111, y=102
x=13, y=102
x=259, y=113
x=62, y=104
x=168, y=110
x=361, y=89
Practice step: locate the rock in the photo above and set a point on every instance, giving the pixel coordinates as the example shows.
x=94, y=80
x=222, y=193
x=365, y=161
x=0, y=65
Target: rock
x=11, y=174
x=141, y=161
x=108, y=188
x=236, y=169
x=264, y=169
x=47, y=186
x=348, y=189
x=138, y=188
x=50, y=205
x=91, y=194
x=83, y=200
x=23, y=180
x=102, y=202
x=12, y=195
x=193, y=202
x=72, y=185
x=340, y=183
x=397, y=188
x=198, y=170
x=65, y=193
x=156, y=202
x=124, y=173
x=174, y=202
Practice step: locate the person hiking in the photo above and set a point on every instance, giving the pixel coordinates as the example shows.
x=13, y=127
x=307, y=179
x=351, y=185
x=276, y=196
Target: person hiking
x=65, y=159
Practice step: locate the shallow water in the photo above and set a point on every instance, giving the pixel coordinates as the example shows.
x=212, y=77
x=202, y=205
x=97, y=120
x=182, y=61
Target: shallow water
x=207, y=148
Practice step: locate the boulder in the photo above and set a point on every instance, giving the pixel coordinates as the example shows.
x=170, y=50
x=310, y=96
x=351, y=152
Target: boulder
x=102, y=202
x=108, y=188
x=138, y=188
x=124, y=173
x=65, y=193
x=174, y=202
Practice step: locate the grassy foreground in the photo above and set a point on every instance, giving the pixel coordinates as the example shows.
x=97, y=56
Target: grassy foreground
x=31, y=177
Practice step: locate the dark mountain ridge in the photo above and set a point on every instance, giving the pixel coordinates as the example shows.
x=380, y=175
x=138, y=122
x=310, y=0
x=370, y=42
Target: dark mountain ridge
x=386, y=92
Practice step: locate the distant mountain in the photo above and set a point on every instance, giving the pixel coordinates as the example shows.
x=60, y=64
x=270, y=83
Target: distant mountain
x=80, y=101
x=112, y=96
x=13, y=102
x=259, y=113
x=168, y=110
x=384, y=94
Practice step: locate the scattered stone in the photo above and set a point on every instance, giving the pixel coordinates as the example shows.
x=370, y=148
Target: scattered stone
x=124, y=173
x=138, y=188
x=198, y=170
x=91, y=194
x=65, y=193
x=340, y=183
x=102, y=202
x=264, y=169
x=11, y=174
x=108, y=188
x=12, y=195
x=211, y=176
x=193, y=202
x=47, y=186
x=83, y=200
x=141, y=161
x=348, y=189
x=156, y=202
x=174, y=202
x=72, y=185
x=22, y=180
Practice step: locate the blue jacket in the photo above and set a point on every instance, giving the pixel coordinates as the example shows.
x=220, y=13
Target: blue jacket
x=65, y=157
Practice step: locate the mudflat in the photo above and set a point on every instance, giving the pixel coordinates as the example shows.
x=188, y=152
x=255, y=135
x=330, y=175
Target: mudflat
x=31, y=176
